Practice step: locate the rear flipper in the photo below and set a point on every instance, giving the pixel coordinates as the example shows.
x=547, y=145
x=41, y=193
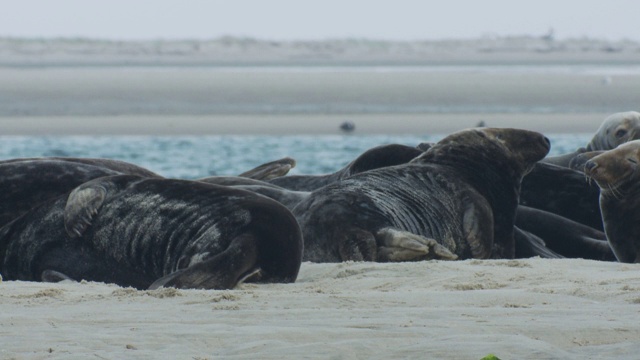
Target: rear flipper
x=53, y=276
x=222, y=271
x=396, y=245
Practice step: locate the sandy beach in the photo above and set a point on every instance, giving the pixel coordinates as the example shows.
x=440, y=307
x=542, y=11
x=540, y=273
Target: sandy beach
x=515, y=309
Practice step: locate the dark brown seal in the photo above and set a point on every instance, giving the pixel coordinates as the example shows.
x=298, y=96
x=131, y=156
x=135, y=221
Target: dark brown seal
x=457, y=200
x=617, y=174
x=152, y=232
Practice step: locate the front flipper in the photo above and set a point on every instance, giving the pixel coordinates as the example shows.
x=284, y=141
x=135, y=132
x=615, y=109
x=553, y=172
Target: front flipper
x=222, y=271
x=83, y=204
x=396, y=245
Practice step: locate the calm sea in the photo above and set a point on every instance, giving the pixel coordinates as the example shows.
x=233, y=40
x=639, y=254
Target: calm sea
x=112, y=91
x=191, y=157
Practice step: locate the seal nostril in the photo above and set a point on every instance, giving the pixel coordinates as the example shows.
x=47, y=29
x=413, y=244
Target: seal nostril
x=589, y=165
x=546, y=139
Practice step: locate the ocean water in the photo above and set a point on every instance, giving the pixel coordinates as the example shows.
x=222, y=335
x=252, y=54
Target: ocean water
x=191, y=157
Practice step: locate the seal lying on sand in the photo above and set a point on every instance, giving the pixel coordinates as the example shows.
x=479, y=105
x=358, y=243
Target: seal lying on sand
x=616, y=129
x=617, y=174
x=26, y=183
x=377, y=157
x=149, y=232
x=457, y=200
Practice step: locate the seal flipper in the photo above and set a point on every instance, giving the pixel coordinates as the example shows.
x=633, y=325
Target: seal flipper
x=396, y=245
x=53, y=276
x=222, y=271
x=270, y=170
x=82, y=204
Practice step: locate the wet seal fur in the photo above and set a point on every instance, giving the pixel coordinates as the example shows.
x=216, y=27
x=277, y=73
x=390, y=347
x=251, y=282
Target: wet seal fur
x=149, y=232
x=617, y=174
x=374, y=158
x=457, y=200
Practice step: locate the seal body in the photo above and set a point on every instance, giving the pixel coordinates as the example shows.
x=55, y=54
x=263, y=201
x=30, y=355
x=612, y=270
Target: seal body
x=617, y=174
x=144, y=232
x=26, y=183
x=121, y=167
x=377, y=157
x=457, y=200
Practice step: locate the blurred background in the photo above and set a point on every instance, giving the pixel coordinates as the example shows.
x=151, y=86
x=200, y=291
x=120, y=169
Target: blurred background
x=279, y=78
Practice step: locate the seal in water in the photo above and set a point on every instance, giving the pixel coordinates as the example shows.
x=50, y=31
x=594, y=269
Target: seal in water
x=616, y=129
x=374, y=158
x=617, y=174
x=457, y=200
x=150, y=232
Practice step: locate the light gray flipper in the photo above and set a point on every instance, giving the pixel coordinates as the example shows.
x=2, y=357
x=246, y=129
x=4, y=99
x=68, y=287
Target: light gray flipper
x=396, y=245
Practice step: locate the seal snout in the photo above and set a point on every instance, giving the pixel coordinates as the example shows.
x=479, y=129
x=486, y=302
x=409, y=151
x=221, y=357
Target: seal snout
x=590, y=166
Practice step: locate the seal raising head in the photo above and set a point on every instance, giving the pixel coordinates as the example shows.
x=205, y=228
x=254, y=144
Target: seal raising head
x=617, y=174
x=455, y=201
x=616, y=129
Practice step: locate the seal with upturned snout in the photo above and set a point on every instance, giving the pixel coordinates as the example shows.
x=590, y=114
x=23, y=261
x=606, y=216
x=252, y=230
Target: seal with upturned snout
x=152, y=232
x=617, y=174
x=457, y=200
x=615, y=129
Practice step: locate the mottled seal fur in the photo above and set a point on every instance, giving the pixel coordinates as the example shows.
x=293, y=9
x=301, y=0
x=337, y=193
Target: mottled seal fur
x=617, y=174
x=374, y=158
x=457, y=200
x=26, y=183
x=151, y=232
x=616, y=129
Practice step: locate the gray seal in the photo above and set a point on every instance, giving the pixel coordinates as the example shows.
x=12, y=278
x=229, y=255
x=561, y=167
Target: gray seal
x=28, y=182
x=457, y=200
x=616, y=129
x=151, y=232
x=617, y=174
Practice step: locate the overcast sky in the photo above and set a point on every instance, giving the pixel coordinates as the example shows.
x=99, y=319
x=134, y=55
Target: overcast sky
x=300, y=19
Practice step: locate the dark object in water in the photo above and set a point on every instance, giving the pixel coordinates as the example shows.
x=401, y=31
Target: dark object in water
x=347, y=126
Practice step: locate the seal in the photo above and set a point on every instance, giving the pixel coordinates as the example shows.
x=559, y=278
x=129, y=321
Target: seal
x=563, y=236
x=152, y=232
x=456, y=201
x=374, y=158
x=270, y=170
x=617, y=174
x=119, y=166
x=28, y=182
x=616, y=129
x=562, y=191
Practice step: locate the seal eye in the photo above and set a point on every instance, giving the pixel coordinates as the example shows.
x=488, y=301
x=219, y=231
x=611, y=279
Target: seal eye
x=620, y=133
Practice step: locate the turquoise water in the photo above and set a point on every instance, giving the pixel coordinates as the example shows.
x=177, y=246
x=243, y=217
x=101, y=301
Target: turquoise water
x=191, y=157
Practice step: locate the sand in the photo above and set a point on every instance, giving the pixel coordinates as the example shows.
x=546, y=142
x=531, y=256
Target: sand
x=515, y=309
